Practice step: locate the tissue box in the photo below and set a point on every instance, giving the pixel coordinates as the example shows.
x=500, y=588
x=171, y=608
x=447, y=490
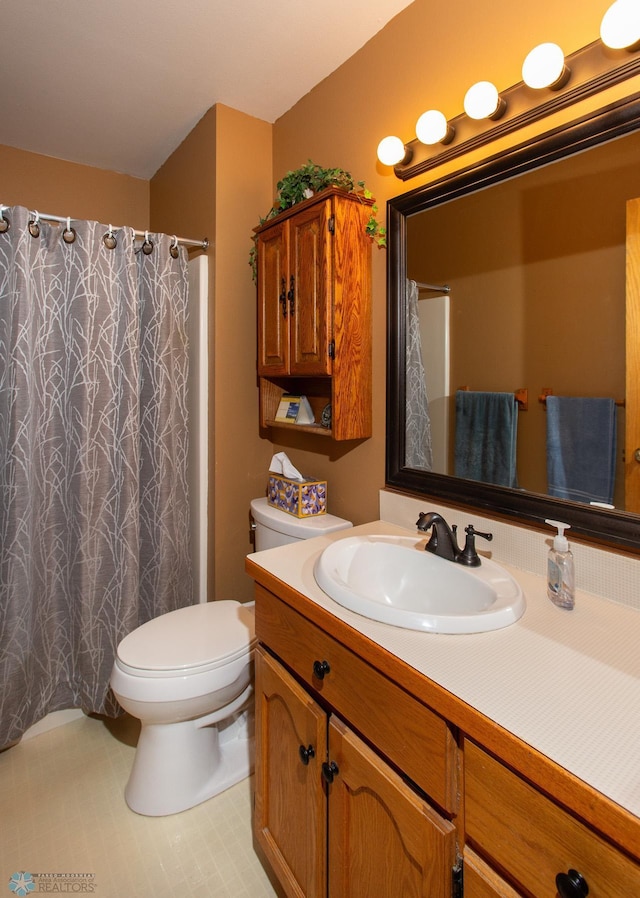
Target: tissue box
x=301, y=498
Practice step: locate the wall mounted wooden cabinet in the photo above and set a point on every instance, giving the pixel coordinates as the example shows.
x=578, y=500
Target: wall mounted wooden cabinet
x=314, y=312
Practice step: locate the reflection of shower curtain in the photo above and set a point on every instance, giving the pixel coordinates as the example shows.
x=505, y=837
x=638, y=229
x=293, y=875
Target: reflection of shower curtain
x=94, y=517
x=418, y=423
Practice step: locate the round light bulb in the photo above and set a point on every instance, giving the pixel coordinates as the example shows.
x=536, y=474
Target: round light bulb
x=482, y=100
x=620, y=26
x=432, y=127
x=544, y=67
x=391, y=150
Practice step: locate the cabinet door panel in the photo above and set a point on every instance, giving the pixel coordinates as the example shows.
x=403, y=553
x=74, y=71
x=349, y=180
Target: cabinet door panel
x=290, y=807
x=383, y=838
x=310, y=265
x=273, y=315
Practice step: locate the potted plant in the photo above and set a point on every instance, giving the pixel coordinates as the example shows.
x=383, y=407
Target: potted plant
x=303, y=183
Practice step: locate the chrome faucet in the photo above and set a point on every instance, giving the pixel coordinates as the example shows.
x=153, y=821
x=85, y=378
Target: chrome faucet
x=444, y=540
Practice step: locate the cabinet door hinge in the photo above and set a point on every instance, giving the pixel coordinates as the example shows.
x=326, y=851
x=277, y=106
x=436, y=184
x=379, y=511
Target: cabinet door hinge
x=457, y=887
x=331, y=224
x=331, y=350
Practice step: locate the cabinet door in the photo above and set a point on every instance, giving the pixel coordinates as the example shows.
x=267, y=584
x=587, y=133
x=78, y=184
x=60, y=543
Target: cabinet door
x=383, y=838
x=290, y=805
x=480, y=881
x=273, y=305
x=308, y=291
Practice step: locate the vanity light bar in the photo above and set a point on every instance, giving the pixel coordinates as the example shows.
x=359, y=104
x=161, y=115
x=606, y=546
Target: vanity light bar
x=592, y=69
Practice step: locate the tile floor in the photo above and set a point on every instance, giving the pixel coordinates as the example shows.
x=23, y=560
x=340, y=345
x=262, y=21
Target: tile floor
x=62, y=811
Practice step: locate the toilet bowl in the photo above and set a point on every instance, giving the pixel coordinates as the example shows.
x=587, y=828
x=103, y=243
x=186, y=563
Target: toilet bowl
x=187, y=675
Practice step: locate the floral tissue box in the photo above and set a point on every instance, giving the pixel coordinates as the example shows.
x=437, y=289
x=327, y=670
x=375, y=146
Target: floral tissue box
x=301, y=498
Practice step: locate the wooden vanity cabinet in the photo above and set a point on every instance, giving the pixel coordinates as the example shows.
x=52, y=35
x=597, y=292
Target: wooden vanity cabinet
x=424, y=785
x=314, y=311
x=332, y=814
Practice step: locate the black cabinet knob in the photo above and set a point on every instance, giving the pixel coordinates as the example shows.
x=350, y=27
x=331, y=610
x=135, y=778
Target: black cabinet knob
x=329, y=771
x=306, y=754
x=321, y=669
x=572, y=885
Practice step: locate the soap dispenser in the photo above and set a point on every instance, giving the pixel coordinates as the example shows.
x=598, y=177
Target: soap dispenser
x=560, y=572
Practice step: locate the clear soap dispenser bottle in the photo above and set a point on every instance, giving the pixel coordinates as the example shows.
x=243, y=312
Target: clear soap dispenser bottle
x=560, y=570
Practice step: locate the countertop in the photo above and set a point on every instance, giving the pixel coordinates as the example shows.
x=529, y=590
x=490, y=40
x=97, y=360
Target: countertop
x=566, y=683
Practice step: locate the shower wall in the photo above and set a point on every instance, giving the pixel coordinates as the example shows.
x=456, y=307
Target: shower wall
x=198, y=418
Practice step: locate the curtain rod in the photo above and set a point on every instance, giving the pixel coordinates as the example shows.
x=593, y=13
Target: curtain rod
x=184, y=241
x=445, y=288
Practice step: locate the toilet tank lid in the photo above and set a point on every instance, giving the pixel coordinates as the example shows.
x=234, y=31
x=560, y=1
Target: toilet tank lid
x=199, y=636
x=301, y=528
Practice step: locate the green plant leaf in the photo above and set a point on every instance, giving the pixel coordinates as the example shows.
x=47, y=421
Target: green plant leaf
x=311, y=176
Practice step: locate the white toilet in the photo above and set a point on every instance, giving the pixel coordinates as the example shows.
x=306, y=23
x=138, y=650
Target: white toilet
x=187, y=676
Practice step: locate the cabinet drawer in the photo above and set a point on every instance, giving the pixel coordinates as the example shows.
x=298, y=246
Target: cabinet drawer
x=532, y=839
x=410, y=735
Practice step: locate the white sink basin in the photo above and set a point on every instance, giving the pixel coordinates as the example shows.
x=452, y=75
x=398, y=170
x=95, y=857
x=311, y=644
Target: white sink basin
x=394, y=580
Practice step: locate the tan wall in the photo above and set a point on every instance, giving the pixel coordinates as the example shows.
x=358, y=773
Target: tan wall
x=217, y=184
x=243, y=168
x=66, y=188
x=183, y=202
x=428, y=56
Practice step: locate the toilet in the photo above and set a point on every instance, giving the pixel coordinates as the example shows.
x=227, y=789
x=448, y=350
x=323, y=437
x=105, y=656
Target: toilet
x=187, y=676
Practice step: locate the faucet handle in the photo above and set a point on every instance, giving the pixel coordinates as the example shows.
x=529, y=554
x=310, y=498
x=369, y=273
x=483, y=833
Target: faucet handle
x=469, y=556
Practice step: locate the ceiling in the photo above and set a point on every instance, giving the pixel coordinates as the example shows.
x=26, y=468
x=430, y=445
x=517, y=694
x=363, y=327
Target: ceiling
x=119, y=85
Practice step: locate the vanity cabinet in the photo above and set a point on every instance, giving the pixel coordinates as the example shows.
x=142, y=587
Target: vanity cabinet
x=424, y=785
x=314, y=312
x=326, y=790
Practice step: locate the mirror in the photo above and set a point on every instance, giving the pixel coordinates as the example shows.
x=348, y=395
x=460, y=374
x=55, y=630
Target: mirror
x=431, y=239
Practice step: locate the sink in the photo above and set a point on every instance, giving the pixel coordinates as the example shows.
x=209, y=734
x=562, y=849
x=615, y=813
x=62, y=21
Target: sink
x=394, y=580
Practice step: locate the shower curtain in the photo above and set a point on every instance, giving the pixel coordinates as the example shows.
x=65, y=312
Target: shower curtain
x=418, y=452
x=94, y=518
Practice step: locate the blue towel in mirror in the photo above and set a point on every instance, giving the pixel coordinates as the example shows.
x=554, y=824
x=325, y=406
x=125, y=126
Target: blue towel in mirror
x=581, y=448
x=486, y=435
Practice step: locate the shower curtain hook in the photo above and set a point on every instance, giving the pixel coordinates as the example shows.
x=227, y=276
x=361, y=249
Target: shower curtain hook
x=109, y=239
x=173, y=249
x=34, y=224
x=69, y=234
x=147, y=246
x=5, y=223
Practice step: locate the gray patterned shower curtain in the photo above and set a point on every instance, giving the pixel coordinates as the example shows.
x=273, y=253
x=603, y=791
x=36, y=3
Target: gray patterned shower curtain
x=418, y=451
x=94, y=518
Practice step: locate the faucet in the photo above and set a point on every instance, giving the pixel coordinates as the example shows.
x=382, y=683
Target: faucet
x=444, y=541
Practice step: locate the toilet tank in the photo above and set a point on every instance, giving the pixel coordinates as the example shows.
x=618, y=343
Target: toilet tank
x=277, y=528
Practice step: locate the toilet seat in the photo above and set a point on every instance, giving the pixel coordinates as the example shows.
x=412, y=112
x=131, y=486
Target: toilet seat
x=189, y=641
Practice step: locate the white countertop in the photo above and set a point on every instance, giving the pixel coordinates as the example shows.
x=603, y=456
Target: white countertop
x=565, y=682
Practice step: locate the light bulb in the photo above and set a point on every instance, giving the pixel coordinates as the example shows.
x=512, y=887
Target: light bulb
x=483, y=101
x=391, y=150
x=432, y=127
x=544, y=67
x=620, y=26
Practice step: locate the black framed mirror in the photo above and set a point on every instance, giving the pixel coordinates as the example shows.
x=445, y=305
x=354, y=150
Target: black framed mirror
x=612, y=527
